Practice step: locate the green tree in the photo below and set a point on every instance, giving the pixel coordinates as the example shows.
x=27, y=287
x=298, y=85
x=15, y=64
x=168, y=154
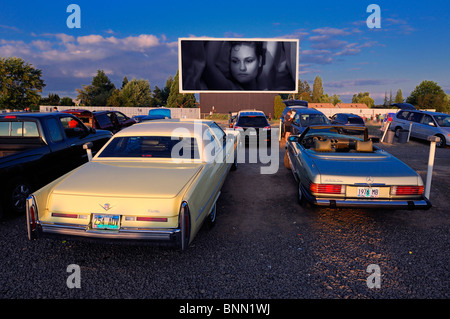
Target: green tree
x=66, y=101
x=177, y=99
x=20, y=83
x=399, y=97
x=52, y=99
x=317, y=92
x=428, y=95
x=98, y=92
x=278, y=106
x=115, y=99
x=136, y=93
x=336, y=99
x=363, y=97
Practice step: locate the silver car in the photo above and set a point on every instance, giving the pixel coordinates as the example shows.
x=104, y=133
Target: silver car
x=423, y=124
x=335, y=167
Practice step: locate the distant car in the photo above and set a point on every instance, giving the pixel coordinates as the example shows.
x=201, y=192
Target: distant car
x=347, y=119
x=154, y=114
x=291, y=105
x=336, y=169
x=253, y=123
x=157, y=181
x=112, y=121
x=307, y=117
x=423, y=124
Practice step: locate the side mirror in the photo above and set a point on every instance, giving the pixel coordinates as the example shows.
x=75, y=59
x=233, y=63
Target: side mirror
x=88, y=147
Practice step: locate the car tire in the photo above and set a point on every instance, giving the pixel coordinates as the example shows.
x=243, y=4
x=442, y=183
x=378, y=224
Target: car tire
x=397, y=131
x=287, y=163
x=442, y=142
x=234, y=166
x=18, y=191
x=301, y=196
x=185, y=228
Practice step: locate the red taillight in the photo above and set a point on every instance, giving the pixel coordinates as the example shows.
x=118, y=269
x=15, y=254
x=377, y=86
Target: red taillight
x=327, y=188
x=151, y=219
x=266, y=128
x=64, y=215
x=32, y=217
x=237, y=128
x=406, y=190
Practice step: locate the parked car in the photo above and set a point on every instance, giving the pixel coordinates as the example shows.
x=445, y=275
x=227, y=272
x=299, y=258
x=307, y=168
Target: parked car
x=423, y=124
x=253, y=123
x=291, y=105
x=347, y=119
x=154, y=114
x=36, y=148
x=156, y=181
x=336, y=169
x=112, y=121
x=307, y=117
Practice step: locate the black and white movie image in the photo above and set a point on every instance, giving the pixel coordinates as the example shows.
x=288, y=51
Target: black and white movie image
x=238, y=65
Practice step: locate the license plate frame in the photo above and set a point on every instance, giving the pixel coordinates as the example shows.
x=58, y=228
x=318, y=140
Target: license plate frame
x=105, y=222
x=368, y=192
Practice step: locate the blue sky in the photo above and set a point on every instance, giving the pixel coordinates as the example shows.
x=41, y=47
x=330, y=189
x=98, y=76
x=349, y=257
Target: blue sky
x=138, y=39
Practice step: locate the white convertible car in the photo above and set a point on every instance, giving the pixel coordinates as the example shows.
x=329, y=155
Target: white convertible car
x=154, y=181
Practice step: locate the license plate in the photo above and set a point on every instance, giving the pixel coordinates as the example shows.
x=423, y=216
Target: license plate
x=109, y=222
x=252, y=132
x=368, y=192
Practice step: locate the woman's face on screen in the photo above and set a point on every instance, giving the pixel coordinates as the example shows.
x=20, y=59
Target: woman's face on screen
x=244, y=63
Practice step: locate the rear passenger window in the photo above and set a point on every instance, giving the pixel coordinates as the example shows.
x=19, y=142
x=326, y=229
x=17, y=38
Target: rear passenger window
x=403, y=115
x=19, y=129
x=55, y=131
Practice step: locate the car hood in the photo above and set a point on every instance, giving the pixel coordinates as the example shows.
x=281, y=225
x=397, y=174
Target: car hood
x=128, y=179
x=373, y=168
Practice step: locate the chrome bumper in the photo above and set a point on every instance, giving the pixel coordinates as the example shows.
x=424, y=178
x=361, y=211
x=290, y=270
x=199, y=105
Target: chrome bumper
x=364, y=203
x=124, y=233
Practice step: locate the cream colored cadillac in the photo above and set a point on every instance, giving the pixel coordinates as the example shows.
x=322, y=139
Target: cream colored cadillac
x=154, y=181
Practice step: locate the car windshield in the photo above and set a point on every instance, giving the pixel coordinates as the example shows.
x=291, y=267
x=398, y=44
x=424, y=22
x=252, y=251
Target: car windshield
x=337, y=132
x=313, y=119
x=152, y=147
x=443, y=120
x=252, y=121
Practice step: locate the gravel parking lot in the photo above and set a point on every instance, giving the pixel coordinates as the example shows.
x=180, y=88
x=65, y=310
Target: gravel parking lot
x=264, y=245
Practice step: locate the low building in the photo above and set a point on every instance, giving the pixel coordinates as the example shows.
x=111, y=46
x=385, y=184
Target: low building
x=234, y=102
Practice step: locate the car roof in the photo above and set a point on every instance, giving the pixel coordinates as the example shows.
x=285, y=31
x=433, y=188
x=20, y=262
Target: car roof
x=167, y=127
x=425, y=112
x=304, y=110
x=251, y=113
x=31, y=114
x=349, y=114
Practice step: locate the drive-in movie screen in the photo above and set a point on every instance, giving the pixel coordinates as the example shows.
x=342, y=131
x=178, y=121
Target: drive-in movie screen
x=237, y=159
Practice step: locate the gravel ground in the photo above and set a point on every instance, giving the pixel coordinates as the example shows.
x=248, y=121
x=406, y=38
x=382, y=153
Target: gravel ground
x=264, y=246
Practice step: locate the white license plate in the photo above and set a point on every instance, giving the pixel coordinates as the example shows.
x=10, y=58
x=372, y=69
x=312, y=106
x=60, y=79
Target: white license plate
x=252, y=132
x=368, y=192
x=109, y=222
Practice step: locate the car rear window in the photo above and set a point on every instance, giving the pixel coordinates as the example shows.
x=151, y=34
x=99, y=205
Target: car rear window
x=152, y=147
x=252, y=121
x=19, y=129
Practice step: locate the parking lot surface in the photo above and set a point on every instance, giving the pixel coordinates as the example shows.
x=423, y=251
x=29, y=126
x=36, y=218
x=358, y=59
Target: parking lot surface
x=264, y=245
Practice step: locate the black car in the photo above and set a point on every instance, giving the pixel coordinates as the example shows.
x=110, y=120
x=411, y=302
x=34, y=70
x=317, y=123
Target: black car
x=254, y=124
x=347, y=119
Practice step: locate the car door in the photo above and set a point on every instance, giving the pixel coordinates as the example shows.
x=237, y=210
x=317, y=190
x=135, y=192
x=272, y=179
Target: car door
x=426, y=127
x=414, y=122
x=76, y=135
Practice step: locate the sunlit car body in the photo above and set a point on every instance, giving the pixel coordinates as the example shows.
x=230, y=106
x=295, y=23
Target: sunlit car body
x=335, y=168
x=157, y=180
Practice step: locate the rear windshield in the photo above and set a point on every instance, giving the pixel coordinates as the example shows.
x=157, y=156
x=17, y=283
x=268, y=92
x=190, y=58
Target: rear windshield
x=152, y=147
x=19, y=129
x=252, y=121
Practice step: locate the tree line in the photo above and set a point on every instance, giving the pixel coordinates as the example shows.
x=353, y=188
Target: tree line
x=21, y=85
